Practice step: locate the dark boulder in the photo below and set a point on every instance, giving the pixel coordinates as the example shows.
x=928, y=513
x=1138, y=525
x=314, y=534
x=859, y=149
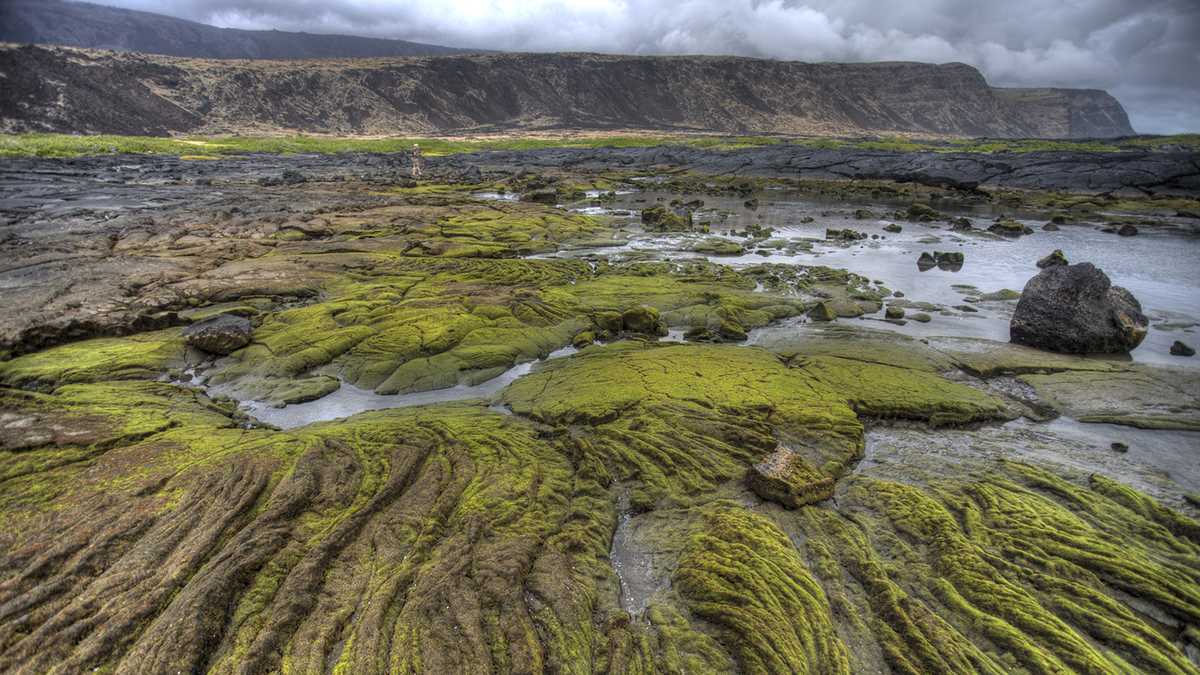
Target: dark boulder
x=220, y=335
x=1182, y=349
x=1127, y=230
x=1075, y=309
x=946, y=260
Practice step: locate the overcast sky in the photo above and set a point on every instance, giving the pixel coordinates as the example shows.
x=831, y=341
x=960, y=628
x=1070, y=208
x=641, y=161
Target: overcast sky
x=1144, y=52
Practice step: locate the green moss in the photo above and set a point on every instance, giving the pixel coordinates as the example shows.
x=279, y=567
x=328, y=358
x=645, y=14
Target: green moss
x=739, y=572
x=141, y=356
x=1022, y=559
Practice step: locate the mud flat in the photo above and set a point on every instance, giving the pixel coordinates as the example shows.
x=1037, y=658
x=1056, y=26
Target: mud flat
x=470, y=433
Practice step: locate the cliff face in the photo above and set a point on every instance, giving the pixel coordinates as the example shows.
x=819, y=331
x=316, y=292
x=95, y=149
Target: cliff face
x=1069, y=113
x=82, y=24
x=55, y=89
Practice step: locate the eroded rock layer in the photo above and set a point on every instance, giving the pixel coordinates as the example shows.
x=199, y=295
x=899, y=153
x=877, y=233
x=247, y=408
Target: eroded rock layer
x=59, y=89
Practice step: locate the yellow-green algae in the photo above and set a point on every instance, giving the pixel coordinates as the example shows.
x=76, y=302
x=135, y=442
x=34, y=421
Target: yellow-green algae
x=456, y=538
x=1016, y=569
x=684, y=418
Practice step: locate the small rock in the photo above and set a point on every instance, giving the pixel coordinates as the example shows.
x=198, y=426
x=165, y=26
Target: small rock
x=1182, y=349
x=844, y=235
x=1118, y=446
x=1050, y=227
x=1056, y=257
x=219, y=335
x=1007, y=227
x=946, y=260
x=785, y=478
x=644, y=320
x=583, y=339
x=921, y=212
x=864, y=214
x=961, y=224
x=893, y=228
x=661, y=219
x=1127, y=230
x=822, y=312
x=751, y=204
x=898, y=294
x=893, y=312
x=922, y=317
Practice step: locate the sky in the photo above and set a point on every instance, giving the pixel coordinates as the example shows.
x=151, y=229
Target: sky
x=1144, y=52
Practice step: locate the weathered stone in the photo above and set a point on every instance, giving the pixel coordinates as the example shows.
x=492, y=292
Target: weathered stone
x=822, y=311
x=894, y=312
x=662, y=219
x=946, y=260
x=785, y=478
x=1179, y=348
x=1076, y=309
x=844, y=235
x=1007, y=227
x=1055, y=257
x=644, y=320
x=220, y=335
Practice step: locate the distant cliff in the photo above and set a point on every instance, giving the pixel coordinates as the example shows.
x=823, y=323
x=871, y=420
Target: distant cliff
x=56, y=89
x=83, y=24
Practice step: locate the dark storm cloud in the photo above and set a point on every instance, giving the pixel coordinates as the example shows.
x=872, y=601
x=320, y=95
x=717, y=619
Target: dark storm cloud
x=1146, y=53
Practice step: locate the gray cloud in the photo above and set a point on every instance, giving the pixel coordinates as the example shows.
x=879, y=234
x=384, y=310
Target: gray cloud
x=1145, y=53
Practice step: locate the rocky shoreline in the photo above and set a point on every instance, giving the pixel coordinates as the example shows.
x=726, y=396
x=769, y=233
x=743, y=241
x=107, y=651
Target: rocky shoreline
x=705, y=477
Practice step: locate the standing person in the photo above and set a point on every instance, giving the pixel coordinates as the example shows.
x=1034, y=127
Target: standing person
x=416, y=161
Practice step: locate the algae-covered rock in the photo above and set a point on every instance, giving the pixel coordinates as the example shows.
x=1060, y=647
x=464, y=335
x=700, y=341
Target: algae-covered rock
x=1076, y=309
x=659, y=218
x=220, y=335
x=833, y=234
x=894, y=312
x=922, y=212
x=643, y=320
x=1007, y=227
x=893, y=228
x=786, y=478
x=1055, y=257
x=822, y=311
x=718, y=246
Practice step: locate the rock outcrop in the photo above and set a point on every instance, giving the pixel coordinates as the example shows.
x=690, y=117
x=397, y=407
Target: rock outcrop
x=1076, y=309
x=83, y=24
x=61, y=89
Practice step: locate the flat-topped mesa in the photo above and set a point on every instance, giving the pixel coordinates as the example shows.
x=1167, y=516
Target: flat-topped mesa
x=62, y=89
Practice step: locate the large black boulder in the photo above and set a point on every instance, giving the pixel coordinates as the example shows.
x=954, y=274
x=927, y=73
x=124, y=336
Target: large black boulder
x=220, y=335
x=1075, y=309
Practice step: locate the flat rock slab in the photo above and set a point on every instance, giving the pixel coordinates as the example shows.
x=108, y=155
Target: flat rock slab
x=1143, y=397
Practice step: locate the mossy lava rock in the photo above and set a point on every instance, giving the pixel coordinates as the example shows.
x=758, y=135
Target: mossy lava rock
x=1075, y=309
